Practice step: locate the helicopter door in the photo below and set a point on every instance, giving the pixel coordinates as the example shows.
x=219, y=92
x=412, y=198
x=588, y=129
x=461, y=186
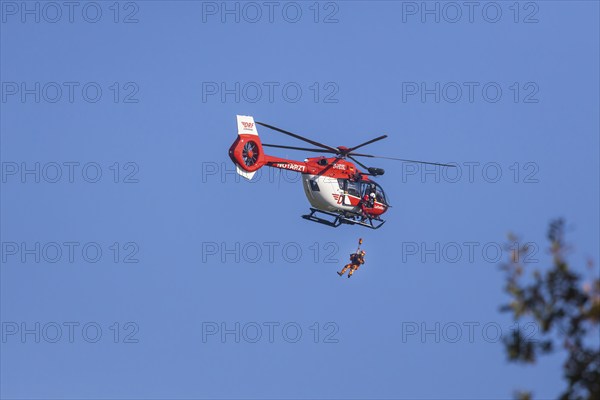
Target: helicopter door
x=351, y=189
x=343, y=192
x=346, y=201
x=365, y=191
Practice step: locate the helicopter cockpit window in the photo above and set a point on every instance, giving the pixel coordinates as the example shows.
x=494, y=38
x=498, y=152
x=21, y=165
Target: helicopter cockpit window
x=380, y=196
x=313, y=185
x=367, y=188
x=341, y=183
x=371, y=187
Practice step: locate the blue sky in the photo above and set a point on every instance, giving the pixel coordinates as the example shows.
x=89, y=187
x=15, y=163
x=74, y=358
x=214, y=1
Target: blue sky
x=186, y=249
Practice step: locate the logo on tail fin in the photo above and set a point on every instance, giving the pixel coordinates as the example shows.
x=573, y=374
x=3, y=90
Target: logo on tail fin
x=246, y=125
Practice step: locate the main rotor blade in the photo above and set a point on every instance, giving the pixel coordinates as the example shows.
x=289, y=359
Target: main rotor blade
x=369, y=142
x=297, y=148
x=314, y=143
x=401, y=159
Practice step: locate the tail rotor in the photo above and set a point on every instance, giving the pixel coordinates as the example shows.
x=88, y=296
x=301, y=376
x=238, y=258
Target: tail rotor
x=247, y=152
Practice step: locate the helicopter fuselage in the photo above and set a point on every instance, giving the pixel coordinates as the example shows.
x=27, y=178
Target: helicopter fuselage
x=331, y=184
x=341, y=187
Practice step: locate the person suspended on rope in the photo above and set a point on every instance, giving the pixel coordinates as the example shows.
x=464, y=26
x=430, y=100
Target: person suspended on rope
x=356, y=260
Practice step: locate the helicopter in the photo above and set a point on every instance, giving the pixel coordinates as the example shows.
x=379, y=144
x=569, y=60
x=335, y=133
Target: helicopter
x=338, y=192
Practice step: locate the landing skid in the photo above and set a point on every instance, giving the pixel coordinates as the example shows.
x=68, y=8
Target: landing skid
x=339, y=219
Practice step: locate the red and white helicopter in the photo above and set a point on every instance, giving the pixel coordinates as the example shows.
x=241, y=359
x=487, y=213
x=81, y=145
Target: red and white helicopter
x=334, y=186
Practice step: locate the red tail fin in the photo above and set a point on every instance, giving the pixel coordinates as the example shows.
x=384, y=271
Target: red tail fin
x=247, y=151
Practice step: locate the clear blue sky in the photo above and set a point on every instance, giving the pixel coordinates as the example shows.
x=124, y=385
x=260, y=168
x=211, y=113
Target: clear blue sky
x=366, y=67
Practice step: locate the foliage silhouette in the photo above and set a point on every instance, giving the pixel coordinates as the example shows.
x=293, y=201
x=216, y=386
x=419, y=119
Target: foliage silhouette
x=566, y=309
